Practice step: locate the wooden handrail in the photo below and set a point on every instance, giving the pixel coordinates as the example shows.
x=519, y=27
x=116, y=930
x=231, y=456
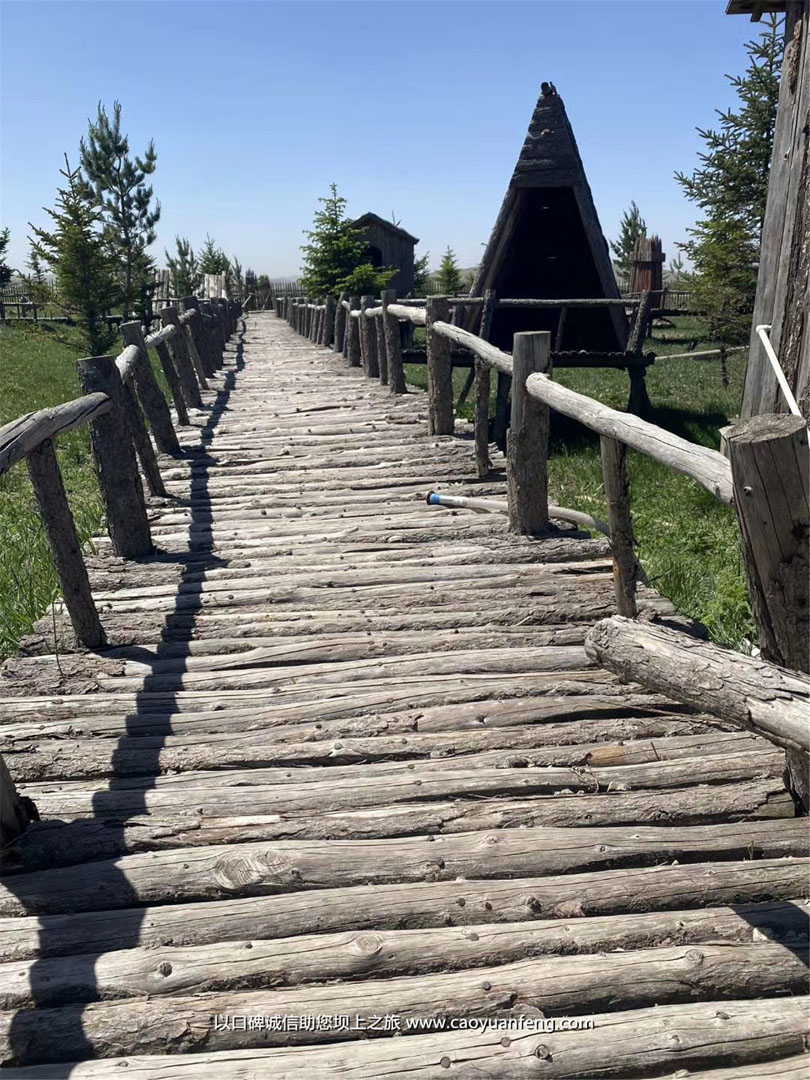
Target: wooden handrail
x=414, y=315
x=493, y=356
x=708, y=467
x=19, y=437
x=576, y=302
x=159, y=337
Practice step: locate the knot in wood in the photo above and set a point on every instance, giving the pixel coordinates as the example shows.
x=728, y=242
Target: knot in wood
x=542, y=1052
x=165, y=968
x=367, y=944
x=694, y=957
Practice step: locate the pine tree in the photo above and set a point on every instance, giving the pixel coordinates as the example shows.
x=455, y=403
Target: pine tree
x=186, y=276
x=213, y=259
x=5, y=269
x=75, y=252
x=421, y=275
x=631, y=228
x=731, y=189
x=117, y=183
x=448, y=278
x=236, y=283
x=336, y=256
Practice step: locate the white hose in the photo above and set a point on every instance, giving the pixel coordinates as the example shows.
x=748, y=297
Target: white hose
x=497, y=506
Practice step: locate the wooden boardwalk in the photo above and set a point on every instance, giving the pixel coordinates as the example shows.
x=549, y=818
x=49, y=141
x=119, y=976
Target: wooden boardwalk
x=347, y=779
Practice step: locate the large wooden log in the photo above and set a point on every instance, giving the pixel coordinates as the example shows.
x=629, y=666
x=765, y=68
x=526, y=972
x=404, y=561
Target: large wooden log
x=637, y=1042
x=393, y=344
x=328, y=324
x=190, y=320
x=150, y=394
x=63, y=541
x=120, y=484
x=21, y=436
x=353, y=334
x=630, y=979
x=759, y=696
x=527, y=443
x=741, y=933
x=708, y=467
x=418, y=905
x=173, y=379
x=368, y=339
x=441, y=418
x=769, y=458
x=15, y=813
x=190, y=874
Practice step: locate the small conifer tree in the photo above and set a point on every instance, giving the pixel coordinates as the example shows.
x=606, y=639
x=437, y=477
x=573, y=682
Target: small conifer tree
x=448, y=278
x=117, y=183
x=186, y=276
x=631, y=228
x=421, y=274
x=5, y=269
x=336, y=256
x=75, y=252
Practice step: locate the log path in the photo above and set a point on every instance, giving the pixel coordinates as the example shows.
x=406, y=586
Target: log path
x=346, y=768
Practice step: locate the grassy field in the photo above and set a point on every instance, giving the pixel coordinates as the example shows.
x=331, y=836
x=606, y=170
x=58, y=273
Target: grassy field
x=688, y=542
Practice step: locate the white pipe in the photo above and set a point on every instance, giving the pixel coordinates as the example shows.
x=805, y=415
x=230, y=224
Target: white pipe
x=496, y=506
x=762, y=332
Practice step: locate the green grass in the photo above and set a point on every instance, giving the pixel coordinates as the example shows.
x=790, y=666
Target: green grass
x=688, y=541
x=37, y=370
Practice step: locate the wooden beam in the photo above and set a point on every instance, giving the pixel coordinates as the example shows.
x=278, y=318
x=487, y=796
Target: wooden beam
x=441, y=418
x=527, y=441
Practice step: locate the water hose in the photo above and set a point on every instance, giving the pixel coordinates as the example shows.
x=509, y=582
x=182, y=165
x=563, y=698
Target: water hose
x=499, y=506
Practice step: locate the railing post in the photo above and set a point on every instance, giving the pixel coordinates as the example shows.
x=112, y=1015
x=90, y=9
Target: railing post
x=63, y=541
x=382, y=358
x=15, y=812
x=440, y=369
x=151, y=397
x=329, y=319
x=173, y=379
x=339, y=334
x=527, y=442
x=622, y=540
x=769, y=467
x=196, y=335
x=353, y=333
x=120, y=484
x=393, y=344
x=368, y=339
x=182, y=358
x=483, y=388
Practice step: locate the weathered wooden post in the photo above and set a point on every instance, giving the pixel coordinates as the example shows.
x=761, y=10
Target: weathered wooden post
x=639, y=401
x=182, y=358
x=483, y=388
x=173, y=379
x=150, y=394
x=393, y=344
x=329, y=319
x=527, y=446
x=63, y=541
x=198, y=333
x=15, y=812
x=382, y=356
x=440, y=369
x=339, y=333
x=769, y=468
x=622, y=540
x=353, y=333
x=136, y=427
x=368, y=339
x=120, y=484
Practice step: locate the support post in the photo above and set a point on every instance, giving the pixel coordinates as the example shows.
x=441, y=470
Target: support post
x=368, y=339
x=500, y=421
x=15, y=812
x=769, y=469
x=622, y=540
x=121, y=491
x=63, y=541
x=483, y=391
x=393, y=344
x=196, y=336
x=527, y=450
x=382, y=358
x=182, y=358
x=329, y=319
x=339, y=332
x=639, y=401
x=151, y=397
x=353, y=333
x=173, y=379
x=441, y=419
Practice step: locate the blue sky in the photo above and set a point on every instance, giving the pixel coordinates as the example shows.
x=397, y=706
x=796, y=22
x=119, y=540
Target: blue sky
x=415, y=108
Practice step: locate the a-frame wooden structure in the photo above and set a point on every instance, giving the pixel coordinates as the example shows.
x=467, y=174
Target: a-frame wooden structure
x=547, y=242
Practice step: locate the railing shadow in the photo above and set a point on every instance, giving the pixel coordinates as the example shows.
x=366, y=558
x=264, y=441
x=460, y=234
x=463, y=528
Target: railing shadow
x=107, y=810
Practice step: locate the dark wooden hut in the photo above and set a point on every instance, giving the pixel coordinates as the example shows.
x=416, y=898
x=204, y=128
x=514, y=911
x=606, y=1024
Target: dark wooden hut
x=390, y=246
x=547, y=242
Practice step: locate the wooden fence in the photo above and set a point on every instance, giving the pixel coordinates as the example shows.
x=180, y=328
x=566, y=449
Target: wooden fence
x=765, y=477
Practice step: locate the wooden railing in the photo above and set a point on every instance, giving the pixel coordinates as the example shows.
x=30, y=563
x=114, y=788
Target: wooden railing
x=765, y=478
x=126, y=411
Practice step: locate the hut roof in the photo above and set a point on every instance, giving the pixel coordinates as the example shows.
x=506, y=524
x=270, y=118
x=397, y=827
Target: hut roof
x=755, y=8
x=547, y=242
x=375, y=219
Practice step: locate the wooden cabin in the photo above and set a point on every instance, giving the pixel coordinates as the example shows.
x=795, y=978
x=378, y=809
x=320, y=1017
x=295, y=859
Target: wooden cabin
x=547, y=242
x=389, y=245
